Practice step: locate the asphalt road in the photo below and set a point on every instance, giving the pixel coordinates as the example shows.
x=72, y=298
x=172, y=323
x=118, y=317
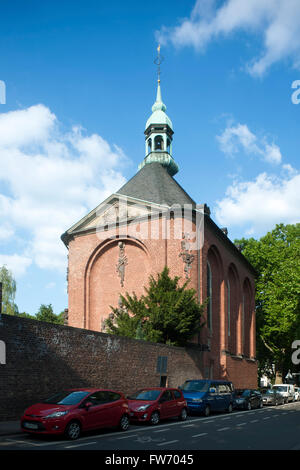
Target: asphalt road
x=270, y=428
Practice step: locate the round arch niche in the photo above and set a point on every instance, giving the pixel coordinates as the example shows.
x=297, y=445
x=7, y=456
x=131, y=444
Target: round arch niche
x=103, y=280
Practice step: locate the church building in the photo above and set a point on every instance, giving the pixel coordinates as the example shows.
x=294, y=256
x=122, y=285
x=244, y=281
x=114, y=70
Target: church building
x=152, y=222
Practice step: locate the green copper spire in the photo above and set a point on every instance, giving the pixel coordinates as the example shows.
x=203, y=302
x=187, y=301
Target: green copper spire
x=159, y=105
x=159, y=132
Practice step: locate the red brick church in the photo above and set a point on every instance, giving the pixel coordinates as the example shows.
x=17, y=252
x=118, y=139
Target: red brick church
x=149, y=223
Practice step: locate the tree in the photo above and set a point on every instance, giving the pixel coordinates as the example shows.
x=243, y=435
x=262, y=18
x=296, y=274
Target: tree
x=8, y=292
x=167, y=313
x=276, y=260
x=46, y=314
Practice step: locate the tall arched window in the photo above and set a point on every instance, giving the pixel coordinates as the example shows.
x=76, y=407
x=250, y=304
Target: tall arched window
x=209, y=295
x=149, y=145
x=228, y=306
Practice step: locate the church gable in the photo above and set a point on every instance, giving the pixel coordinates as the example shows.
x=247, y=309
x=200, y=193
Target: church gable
x=115, y=210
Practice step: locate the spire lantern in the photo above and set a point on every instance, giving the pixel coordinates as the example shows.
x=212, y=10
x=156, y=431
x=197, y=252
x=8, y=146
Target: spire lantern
x=159, y=131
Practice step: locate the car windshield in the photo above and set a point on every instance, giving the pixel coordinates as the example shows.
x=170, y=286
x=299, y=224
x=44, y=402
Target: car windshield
x=242, y=393
x=281, y=388
x=195, y=386
x=66, y=398
x=268, y=392
x=147, y=395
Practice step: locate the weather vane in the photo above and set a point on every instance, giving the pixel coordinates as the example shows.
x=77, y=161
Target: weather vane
x=159, y=59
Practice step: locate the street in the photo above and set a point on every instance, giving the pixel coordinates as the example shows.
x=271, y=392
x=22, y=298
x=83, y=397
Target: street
x=269, y=428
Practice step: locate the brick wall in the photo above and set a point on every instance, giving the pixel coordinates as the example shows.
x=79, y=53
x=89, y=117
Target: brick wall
x=42, y=358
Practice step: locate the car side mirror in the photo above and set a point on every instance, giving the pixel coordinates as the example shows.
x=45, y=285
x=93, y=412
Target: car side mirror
x=88, y=404
x=212, y=390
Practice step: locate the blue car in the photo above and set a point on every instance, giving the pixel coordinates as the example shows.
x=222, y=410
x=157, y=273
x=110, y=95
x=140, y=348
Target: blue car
x=206, y=396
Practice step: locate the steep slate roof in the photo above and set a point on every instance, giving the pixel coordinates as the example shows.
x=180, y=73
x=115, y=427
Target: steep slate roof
x=154, y=184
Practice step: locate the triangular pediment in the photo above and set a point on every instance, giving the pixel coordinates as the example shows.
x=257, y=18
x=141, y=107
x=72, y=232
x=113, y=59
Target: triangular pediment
x=117, y=209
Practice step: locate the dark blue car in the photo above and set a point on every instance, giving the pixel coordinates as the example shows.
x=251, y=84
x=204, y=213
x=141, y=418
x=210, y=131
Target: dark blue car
x=206, y=396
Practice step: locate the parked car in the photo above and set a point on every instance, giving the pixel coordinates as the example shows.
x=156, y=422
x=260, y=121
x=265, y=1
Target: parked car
x=153, y=404
x=297, y=394
x=70, y=412
x=272, y=397
x=247, y=399
x=206, y=396
x=286, y=390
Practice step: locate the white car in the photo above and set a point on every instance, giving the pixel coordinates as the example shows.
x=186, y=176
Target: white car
x=286, y=390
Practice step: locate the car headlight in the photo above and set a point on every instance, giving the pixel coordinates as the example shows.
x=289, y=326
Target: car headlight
x=142, y=408
x=57, y=414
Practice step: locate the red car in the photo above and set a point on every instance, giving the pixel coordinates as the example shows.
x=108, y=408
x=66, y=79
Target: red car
x=73, y=411
x=153, y=404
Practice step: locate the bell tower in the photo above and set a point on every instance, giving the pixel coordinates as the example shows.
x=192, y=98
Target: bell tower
x=159, y=132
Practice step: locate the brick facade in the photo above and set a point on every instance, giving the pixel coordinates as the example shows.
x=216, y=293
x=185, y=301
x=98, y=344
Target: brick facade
x=151, y=244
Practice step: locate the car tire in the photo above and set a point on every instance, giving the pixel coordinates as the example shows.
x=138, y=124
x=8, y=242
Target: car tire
x=73, y=430
x=206, y=411
x=155, y=418
x=183, y=414
x=124, y=423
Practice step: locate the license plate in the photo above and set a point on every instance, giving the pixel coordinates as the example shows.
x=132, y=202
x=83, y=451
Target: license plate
x=30, y=426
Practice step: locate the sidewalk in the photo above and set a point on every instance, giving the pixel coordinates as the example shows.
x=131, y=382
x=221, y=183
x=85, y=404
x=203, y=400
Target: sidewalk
x=9, y=427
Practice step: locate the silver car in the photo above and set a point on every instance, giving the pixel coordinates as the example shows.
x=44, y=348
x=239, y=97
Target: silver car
x=272, y=397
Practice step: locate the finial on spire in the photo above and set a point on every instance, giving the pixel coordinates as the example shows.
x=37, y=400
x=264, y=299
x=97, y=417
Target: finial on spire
x=159, y=59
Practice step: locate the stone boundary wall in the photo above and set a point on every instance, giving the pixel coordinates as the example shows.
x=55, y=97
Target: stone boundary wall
x=42, y=358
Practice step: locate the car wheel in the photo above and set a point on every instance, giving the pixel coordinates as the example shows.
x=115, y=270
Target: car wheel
x=229, y=409
x=206, y=411
x=155, y=418
x=183, y=414
x=124, y=423
x=73, y=430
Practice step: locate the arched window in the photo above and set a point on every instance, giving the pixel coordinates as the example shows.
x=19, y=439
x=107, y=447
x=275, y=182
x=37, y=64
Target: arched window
x=158, y=143
x=233, y=303
x=228, y=306
x=149, y=145
x=209, y=295
x=168, y=145
x=246, y=318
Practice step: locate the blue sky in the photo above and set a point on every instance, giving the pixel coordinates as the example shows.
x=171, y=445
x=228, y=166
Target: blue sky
x=80, y=82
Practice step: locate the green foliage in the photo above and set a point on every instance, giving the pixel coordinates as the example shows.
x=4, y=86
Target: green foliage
x=46, y=314
x=8, y=292
x=167, y=313
x=276, y=259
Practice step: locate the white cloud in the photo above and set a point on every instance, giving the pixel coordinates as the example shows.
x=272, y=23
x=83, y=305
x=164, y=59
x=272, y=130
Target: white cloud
x=17, y=264
x=260, y=204
x=6, y=232
x=239, y=137
x=53, y=179
x=276, y=21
